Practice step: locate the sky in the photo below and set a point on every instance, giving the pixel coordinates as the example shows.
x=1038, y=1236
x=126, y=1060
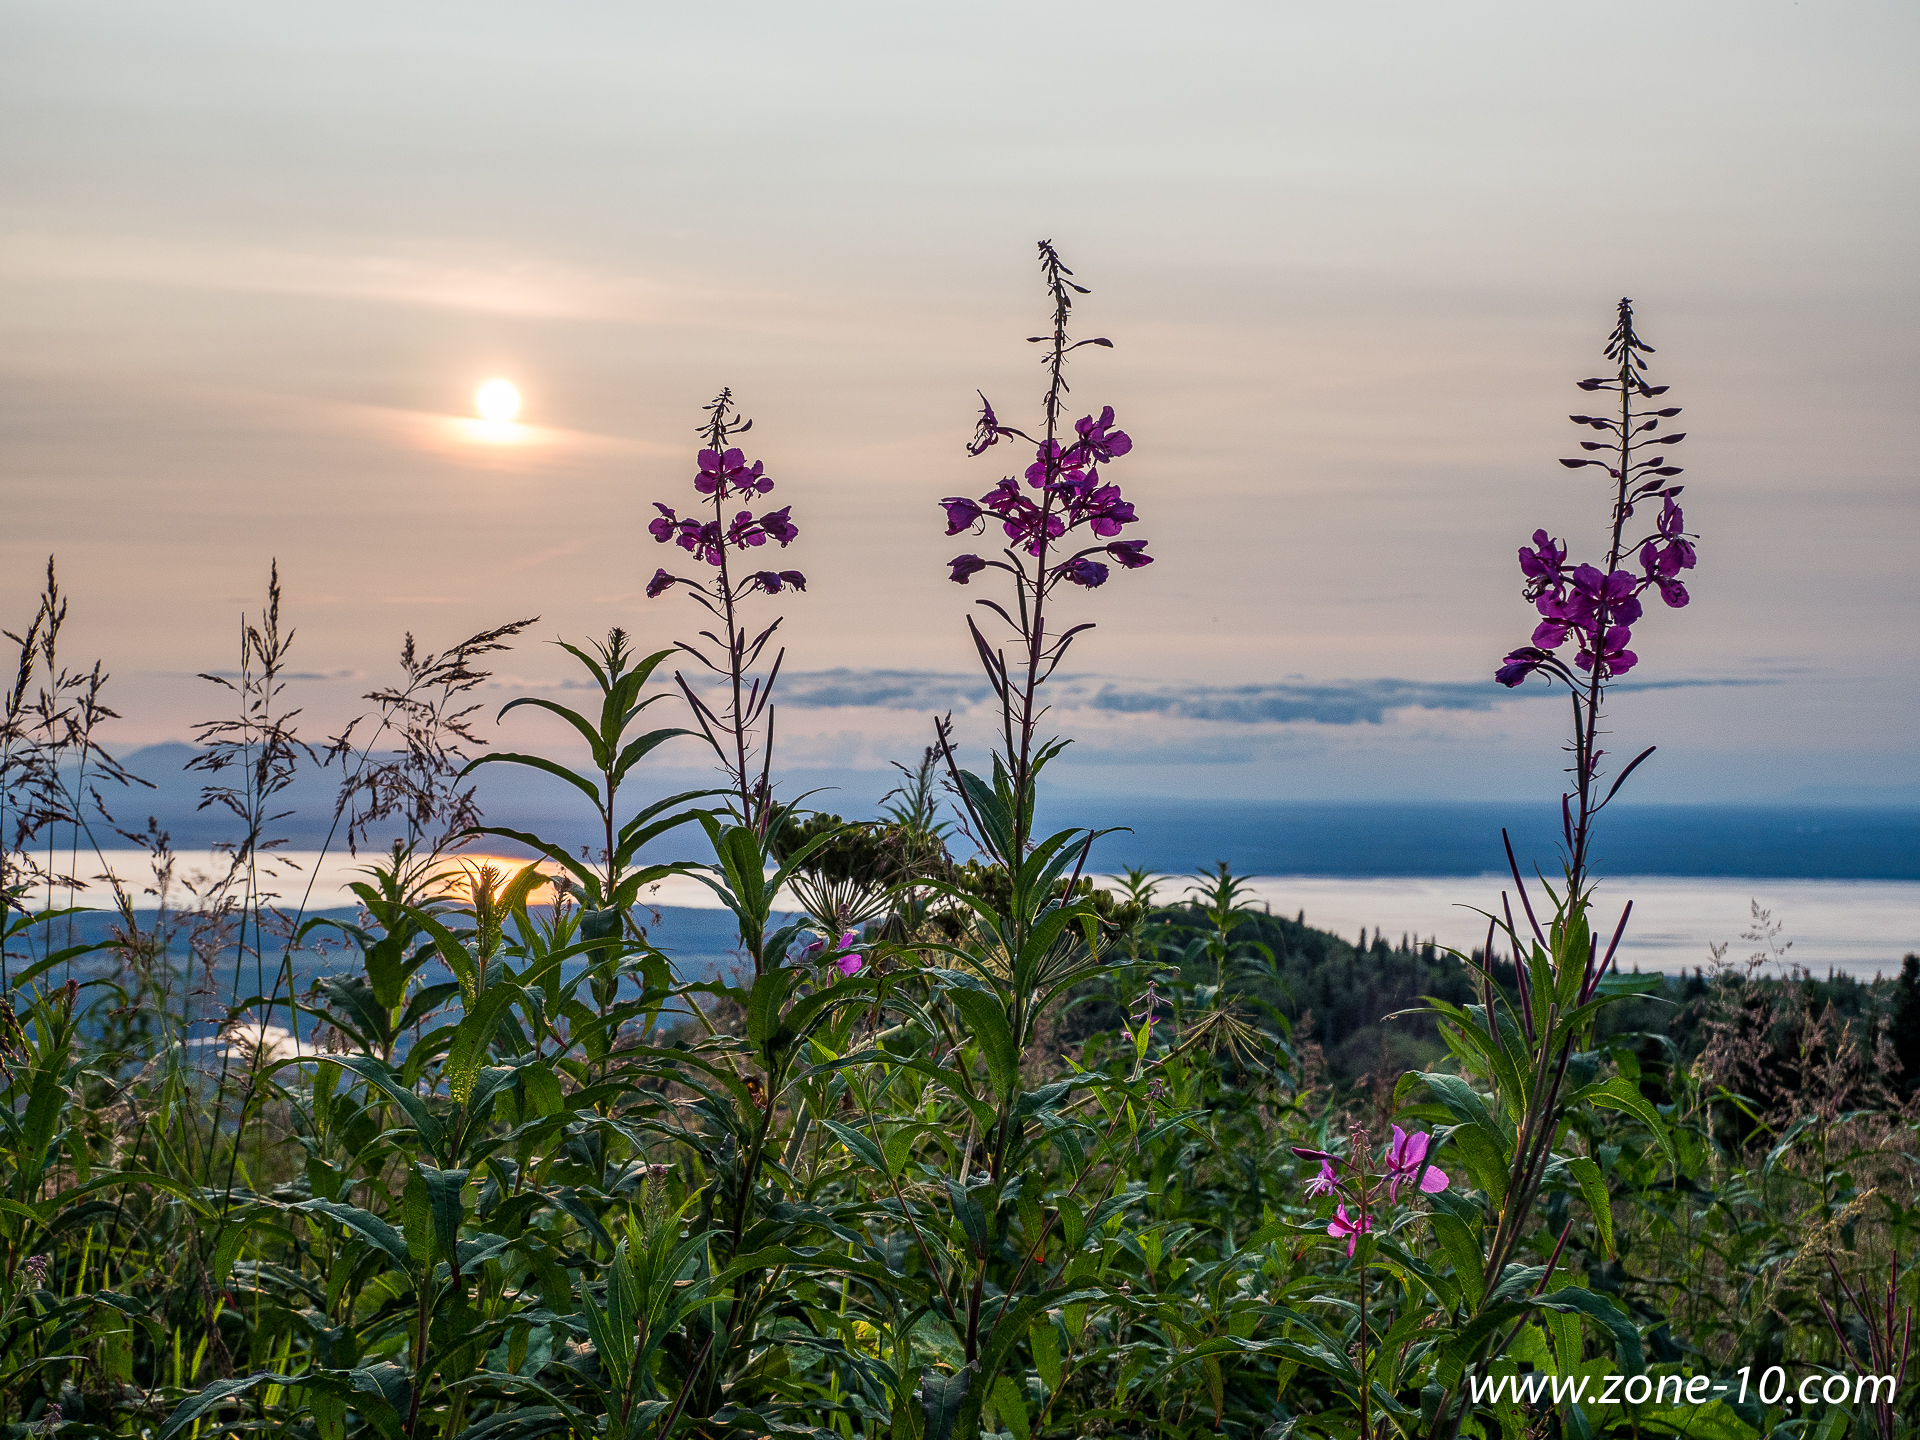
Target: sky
x=255, y=260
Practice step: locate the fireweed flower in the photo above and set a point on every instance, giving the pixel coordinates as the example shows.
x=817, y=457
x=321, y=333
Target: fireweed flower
x=987, y=432
x=1404, y=1158
x=1082, y=571
x=1325, y=1183
x=1098, y=439
x=1610, y=653
x=843, y=955
x=961, y=513
x=772, y=581
x=1353, y=1228
x=724, y=473
x=965, y=567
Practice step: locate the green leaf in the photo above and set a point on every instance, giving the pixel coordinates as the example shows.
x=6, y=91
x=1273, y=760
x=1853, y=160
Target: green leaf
x=379, y=1074
x=1010, y=1406
x=988, y=1023
x=1044, y=1341
x=215, y=1395
x=972, y=1218
x=1622, y=1094
x=941, y=1397
x=543, y=1089
x=764, y=1003
x=1468, y=1107
x=366, y=1225
x=637, y=749
x=1484, y=1160
x=1603, y=1309
x=445, y=1209
x=860, y=1144
x=579, y=722
x=45, y=1099
x=1463, y=1251
x=1593, y=1189
x=579, y=782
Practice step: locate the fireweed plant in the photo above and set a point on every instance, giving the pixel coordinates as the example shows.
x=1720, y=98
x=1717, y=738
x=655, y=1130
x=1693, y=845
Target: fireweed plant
x=1527, y=1046
x=1037, y=935
x=723, y=542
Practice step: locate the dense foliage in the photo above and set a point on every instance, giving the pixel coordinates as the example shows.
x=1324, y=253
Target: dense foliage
x=965, y=1143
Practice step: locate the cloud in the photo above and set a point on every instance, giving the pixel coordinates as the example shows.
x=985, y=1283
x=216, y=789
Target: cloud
x=1338, y=702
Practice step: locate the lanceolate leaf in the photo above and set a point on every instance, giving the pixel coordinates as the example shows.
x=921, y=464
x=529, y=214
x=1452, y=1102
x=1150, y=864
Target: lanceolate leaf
x=988, y=1024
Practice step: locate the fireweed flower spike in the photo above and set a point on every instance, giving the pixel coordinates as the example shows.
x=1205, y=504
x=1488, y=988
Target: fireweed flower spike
x=721, y=531
x=1591, y=606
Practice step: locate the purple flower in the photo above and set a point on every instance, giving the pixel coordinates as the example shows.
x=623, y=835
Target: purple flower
x=1130, y=554
x=1061, y=462
x=1673, y=521
x=743, y=532
x=1098, y=439
x=1326, y=1182
x=1543, y=562
x=962, y=514
x=1028, y=525
x=1566, y=608
x=1353, y=1228
x=1550, y=634
x=1082, y=571
x=779, y=527
x=843, y=955
x=721, y=474
x=1107, y=512
x=713, y=470
x=663, y=526
x=771, y=581
x=1520, y=664
x=702, y=540
x=965, y=567
x=987, y=431
x=1006, y=495
x=1613, y=658
x=1672, y=591
x=1404, y=1158
x=1666, y=560
x=1603, y=588
x=659, y=584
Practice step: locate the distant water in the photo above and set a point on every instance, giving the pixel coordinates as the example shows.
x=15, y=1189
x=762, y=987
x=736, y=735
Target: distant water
x=1844, y=882
x=1856, y=926
x=1441, y=838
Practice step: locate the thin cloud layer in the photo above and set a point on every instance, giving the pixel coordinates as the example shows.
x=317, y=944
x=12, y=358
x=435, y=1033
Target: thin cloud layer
x=1342, y=702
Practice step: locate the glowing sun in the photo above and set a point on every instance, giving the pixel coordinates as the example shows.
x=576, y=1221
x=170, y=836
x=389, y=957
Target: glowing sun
x=497, y=401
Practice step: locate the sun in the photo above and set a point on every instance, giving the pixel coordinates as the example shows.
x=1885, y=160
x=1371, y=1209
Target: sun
x=498, y=401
